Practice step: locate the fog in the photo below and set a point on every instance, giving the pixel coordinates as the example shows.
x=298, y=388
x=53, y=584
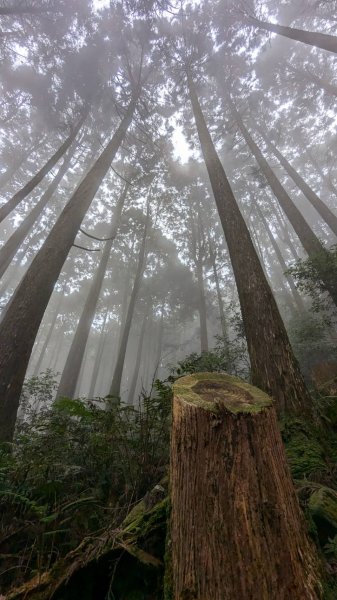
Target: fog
x=169, y=293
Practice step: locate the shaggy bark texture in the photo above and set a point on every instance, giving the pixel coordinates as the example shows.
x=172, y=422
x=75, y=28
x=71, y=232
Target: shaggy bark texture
x=236, y=526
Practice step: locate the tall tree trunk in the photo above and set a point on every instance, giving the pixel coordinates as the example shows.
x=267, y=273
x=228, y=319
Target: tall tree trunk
x=320, y=171
x=74, y=360
x=115, y=389
x=286, y=239
x=34, y=181
x=37, y=367
x=98, y=357
x=323, y=210
x=237, y=531
x=202, y=307
x=213, y=257
x=296, y=296
x=308, y=239
x=12, y=245
x=7, y=175
x=198, y=250
x=273, y=364
x=159, y=350
x=313, y=38
x=132, y=388
x=23, y=316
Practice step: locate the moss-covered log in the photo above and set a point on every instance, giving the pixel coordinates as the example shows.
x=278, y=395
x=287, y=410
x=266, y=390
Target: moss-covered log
x=236, y=527
x=122, y=563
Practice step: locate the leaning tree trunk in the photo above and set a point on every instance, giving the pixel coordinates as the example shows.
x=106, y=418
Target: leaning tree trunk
x=320, y=171
x=7, y=175
x=51, y=328
x=34, y=181
x=237, y=531
x=313, y=38
x=323, y=210
x=75, y=356
x=307, y=237
x=286, y=239
x=295, y=294
x=23, y=316
x=13, y=244
x=273, y=364
x=115, y=389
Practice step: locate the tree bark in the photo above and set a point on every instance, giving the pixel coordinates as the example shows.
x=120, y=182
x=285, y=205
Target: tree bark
x=23, y=316
x=308, y=239
x=273, y=364
x=198, y=257
x=74, y=360
x=7, y=208
x=213, y=257
x=295, y=294
x=237, y=531
x=98, y=357
x=13, y=244
x=313, y=38
x=323, y=210
x=7, y=175
x=286, y=239
x=37, y=367
x=115, y=389
x=132, y=389
x=202, y=308
x=320, y=171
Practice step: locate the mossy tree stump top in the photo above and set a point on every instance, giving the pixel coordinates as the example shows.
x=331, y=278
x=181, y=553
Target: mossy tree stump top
x=236, y=526
x=216, y=392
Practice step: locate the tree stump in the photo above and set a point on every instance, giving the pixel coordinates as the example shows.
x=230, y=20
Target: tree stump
x=237, y=531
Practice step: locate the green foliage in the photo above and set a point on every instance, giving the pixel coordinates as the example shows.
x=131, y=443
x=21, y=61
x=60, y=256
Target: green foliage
x=307, y=273
x=75, y=467
x=304, y=450
x=311, y=341
x=229, y=356
x=331, y=547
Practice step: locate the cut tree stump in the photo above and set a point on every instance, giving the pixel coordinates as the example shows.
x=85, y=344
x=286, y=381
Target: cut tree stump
x=237, y=531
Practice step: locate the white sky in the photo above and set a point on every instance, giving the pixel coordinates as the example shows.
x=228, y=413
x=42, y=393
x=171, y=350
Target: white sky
x=182, y=151
x=101, y=3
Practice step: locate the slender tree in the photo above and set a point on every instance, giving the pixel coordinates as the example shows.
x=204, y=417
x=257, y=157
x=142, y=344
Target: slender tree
x=295, y=294
x=75, y=356
x=323, y=210
x=307, y=237
x=115, y=388
x=198, y=253
x=13, y=244
x=135, y=376
x=313, y=38
x=7, y=208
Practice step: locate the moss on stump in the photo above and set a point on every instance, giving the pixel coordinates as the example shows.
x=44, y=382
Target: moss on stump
x=236, y=527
